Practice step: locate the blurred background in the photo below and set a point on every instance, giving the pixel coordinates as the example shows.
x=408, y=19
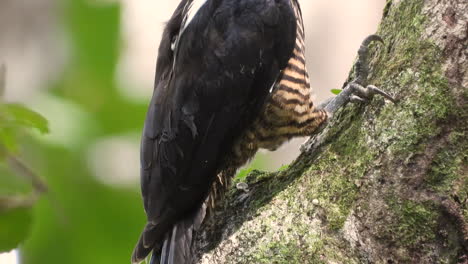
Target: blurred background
x=88, y=66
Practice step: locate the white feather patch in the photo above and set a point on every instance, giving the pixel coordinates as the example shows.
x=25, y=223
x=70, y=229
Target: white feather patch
x=192, y=9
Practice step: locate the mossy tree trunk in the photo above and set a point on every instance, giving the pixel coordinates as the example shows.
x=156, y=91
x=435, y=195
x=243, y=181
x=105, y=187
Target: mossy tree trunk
x=389, y=183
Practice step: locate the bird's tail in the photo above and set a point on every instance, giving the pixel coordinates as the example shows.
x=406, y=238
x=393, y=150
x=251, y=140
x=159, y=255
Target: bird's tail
x=178, y=244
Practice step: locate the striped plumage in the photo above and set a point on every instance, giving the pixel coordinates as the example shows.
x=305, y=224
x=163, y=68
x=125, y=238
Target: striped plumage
x=217, y=62
x=289, y=112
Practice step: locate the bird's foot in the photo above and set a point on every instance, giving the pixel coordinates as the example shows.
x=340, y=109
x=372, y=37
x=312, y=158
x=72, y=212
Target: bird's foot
x=362, y=94
x=357, y=90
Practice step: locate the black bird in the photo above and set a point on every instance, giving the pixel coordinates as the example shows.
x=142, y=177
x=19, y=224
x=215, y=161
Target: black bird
x=218, y=60
x=230, y=79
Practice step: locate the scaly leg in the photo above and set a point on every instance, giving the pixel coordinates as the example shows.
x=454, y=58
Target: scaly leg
x=357, y=90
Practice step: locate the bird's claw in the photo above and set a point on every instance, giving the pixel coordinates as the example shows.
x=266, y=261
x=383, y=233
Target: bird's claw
x=363, y=94
x=358, y=90
x=362, y=64
x=357, y=99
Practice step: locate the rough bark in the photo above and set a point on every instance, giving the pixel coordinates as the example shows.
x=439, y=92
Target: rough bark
x=388, y=183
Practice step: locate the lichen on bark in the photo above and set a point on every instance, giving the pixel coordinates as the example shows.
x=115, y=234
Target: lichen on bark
x=389, y=184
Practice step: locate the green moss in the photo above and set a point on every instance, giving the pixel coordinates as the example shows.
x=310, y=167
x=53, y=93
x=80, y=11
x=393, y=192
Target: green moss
x=285, y=233
x=387, y=8
x=308, y=248
x=286, y=253
x=336, y=174
x=446, y=167
x=414, y=223
x=409, y=66
x=400, y=46
x=256, y=176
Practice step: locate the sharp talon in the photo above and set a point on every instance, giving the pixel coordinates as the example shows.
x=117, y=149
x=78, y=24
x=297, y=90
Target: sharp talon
x=371, y=39
x=361, y=92
x=242, y=186
x=362, y=67
x=375, y=90
x=365, y=44
x=358, y=90
x=357, y=99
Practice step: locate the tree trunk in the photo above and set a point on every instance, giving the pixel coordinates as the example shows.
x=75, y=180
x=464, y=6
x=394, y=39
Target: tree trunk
x=387, y=183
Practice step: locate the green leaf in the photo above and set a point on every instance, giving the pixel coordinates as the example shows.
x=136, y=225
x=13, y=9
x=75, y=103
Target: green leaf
x=242, y=174
x=15, y=224
x=336, y=91
x=22, y=116
x=283, y=168
x=8, y=139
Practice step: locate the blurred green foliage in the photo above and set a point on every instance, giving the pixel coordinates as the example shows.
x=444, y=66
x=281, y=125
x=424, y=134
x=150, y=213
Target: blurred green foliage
x=14, y=117
x=82, y=220
x=14, y=227
x=16, y=201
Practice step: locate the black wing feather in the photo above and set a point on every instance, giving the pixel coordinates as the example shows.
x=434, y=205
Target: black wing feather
x=227, y=59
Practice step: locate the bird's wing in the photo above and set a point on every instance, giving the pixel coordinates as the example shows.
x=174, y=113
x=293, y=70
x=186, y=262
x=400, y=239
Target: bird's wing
x=208, y=89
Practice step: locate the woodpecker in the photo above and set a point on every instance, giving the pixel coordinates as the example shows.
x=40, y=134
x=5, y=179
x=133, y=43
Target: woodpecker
x=230, y=79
